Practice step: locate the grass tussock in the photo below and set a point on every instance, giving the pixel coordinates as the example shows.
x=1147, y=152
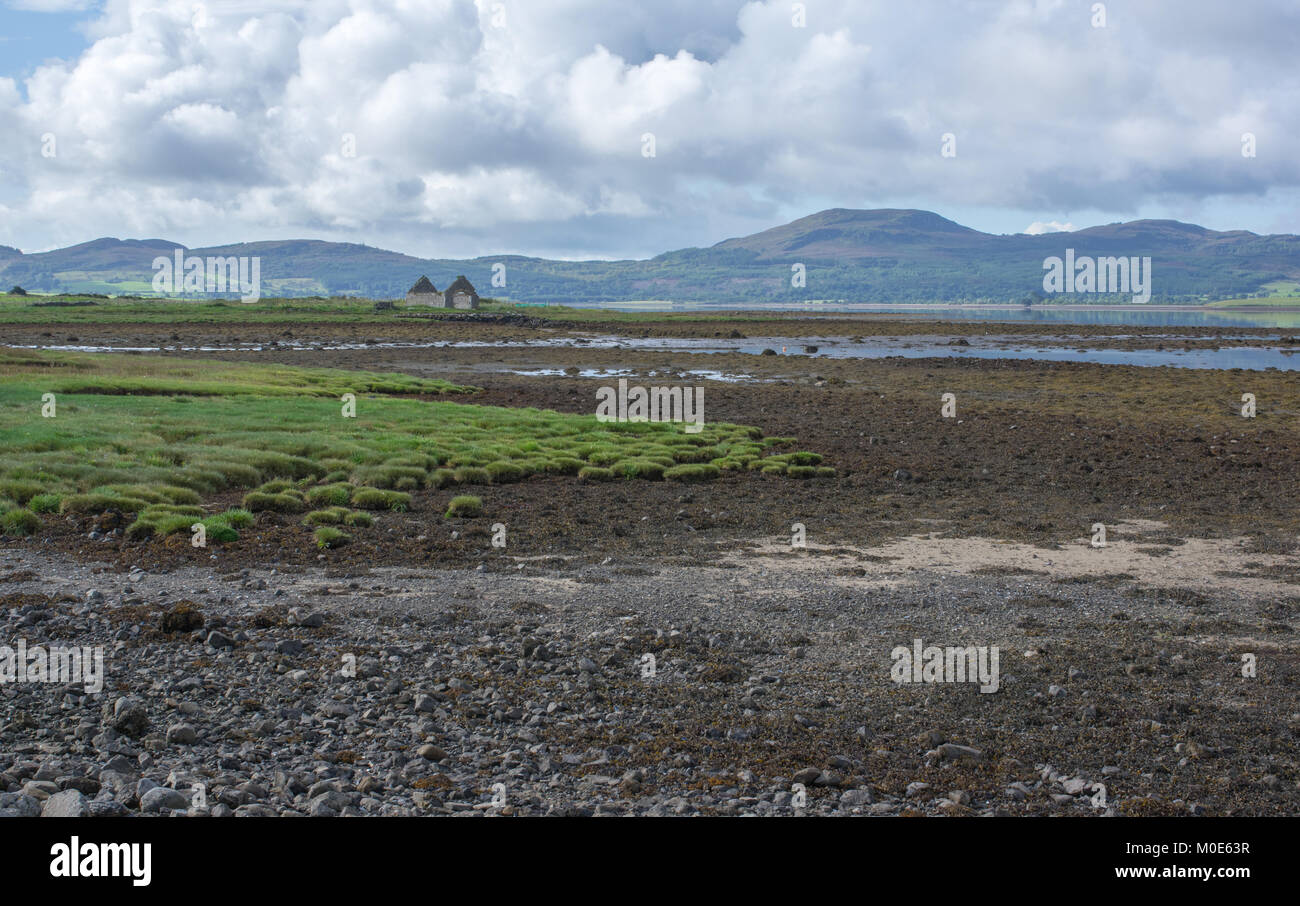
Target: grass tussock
x=138, y=434
x=328, y=537
x=20, y=523
x=464, y=506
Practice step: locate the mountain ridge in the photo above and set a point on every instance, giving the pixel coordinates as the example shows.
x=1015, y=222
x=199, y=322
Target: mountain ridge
x=867, y=255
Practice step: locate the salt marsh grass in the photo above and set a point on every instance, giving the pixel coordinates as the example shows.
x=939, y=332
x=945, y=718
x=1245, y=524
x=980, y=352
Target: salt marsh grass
x=159, y=436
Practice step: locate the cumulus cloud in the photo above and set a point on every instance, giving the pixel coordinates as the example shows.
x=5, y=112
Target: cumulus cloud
x=1038, y=227
x=449, y=127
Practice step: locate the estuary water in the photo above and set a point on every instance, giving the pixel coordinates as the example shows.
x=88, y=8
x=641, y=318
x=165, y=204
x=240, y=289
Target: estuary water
x=1109, y=315
x=1283, y=357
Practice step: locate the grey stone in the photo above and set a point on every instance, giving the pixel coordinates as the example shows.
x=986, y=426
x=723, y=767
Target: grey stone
x=181, y=735
x=950, y=751
x=161, y=797
x=19, y=805
x=130, y=717
x=106, y=808
x=855, y=798
x=67, y=804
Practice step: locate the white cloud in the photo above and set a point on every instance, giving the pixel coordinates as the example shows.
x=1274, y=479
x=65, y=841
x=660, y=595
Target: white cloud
x=1039, y=227
x=219, y=121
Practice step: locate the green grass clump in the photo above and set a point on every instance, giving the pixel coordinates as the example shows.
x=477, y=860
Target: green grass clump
x=378, y=499
x=286, y=502
x=638, y=468
x=330, y=537
x=696, y=471
x=685, y=454
x=503, y=472
x=165, y=519
x=220, y=532
x=338, y=493
x=235, y=518
x=45, y=503
x=340, y=515
x=20, y=492
x=133, y=491
x=422, y=461
x=171, y=509
x=161, y=524
x=802, y=458
x=386, y=476
x=595, y=473
x=800, y=472
x=235, y=474
x=440, y=478
x=92, y=504
x=19, y=523
x=331, y=516
x=464, y=506
x=223, y=527
x=472, y=475
x=179, y=495
x=564, y=465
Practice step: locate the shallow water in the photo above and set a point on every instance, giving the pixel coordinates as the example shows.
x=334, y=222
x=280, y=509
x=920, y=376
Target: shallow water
x=1136, y=315
x=1283, y=358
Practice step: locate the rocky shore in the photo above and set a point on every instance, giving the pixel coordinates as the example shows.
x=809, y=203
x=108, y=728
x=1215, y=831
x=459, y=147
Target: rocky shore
x=384, y=692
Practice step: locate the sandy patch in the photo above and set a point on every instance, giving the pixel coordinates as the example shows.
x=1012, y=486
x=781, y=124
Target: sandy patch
x=1197, y=563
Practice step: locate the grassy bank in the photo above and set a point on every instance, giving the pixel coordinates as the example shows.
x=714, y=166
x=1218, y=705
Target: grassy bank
x=158, y=435
x=74, y=309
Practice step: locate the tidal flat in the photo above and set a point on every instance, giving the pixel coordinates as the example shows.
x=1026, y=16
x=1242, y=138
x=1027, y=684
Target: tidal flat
x=521, y=666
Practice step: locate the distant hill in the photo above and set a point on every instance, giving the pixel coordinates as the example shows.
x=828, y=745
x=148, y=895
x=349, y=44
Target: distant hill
x=845, y=235
x=887, y=255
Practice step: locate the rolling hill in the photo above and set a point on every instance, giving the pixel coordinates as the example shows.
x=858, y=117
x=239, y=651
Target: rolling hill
x=886, y=255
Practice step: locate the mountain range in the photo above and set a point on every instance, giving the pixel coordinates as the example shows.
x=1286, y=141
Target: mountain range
x=884, y=255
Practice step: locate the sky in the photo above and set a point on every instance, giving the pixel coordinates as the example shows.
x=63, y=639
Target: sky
x=626, y=128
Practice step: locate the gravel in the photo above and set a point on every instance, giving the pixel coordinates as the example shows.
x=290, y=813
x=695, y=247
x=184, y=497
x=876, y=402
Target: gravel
x=461, y=692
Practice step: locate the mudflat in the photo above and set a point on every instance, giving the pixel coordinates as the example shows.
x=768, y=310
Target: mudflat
x=642, y=646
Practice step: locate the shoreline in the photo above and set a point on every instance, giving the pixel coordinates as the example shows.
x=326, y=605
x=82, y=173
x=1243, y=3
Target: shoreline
x=522, y=666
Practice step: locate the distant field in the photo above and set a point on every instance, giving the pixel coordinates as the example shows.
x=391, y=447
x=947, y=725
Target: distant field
x=74, y=309
x=1265, y=302
x=1282, y=294
x=86, y=310
x=156, y=436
